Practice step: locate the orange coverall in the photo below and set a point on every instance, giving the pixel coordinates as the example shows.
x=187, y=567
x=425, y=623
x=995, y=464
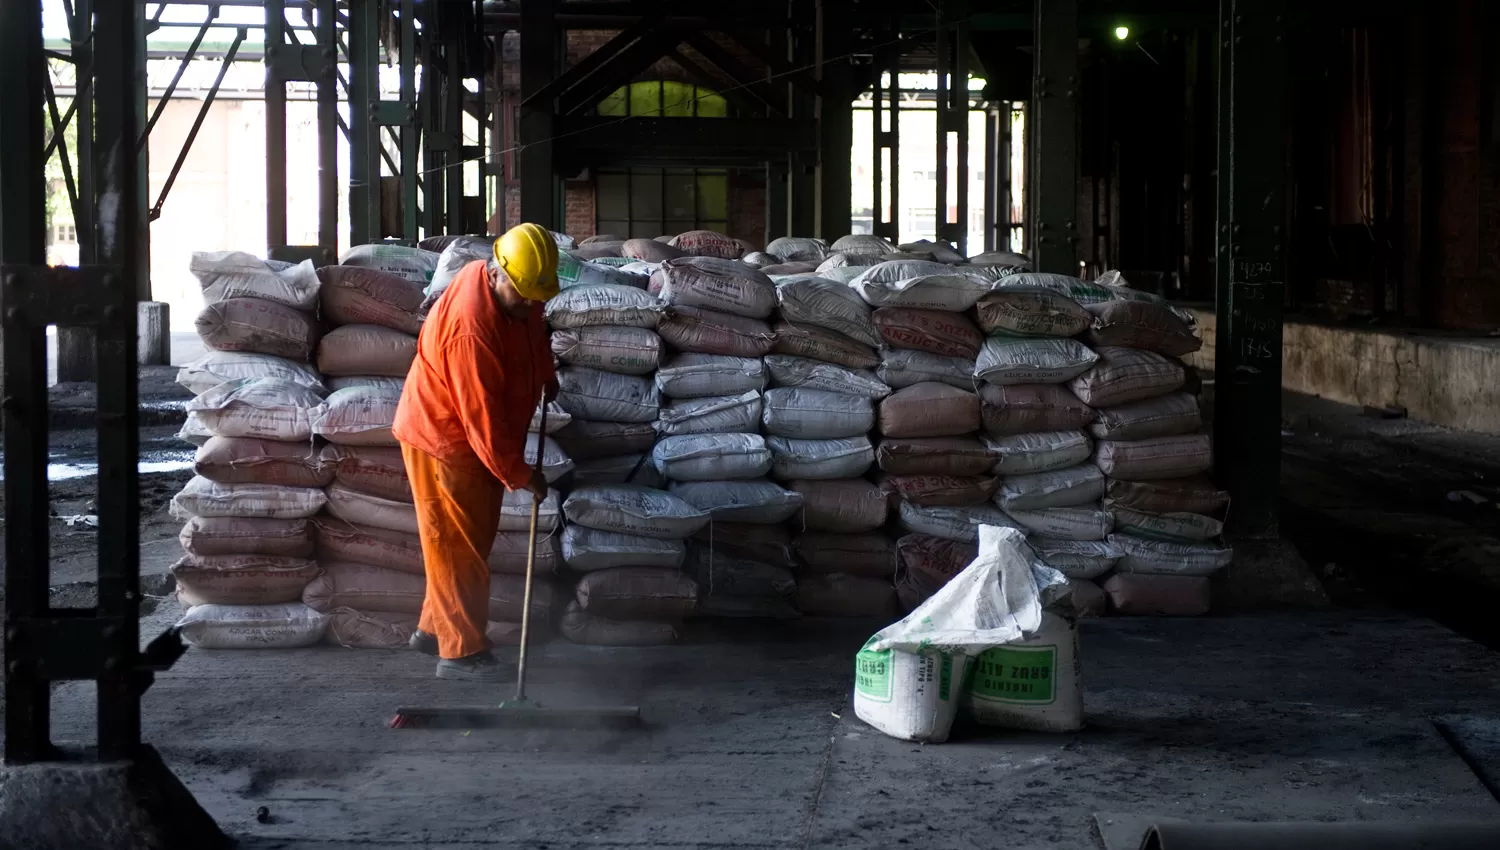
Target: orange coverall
x=462, y=422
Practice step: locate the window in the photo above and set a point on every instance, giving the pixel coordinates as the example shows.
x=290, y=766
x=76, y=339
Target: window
x=65, y=234
x=663, y=99
x=649, y=202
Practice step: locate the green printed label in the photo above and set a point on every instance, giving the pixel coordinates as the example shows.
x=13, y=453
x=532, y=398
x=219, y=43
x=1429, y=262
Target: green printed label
x=945, y=676
x=1016, y=674
x=568, y=268
x=872, y=674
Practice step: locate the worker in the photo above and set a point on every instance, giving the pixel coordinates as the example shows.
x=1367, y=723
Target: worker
x=482, y=364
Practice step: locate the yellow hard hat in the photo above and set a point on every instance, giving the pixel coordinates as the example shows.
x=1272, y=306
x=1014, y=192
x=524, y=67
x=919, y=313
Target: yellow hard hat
x=527, y=254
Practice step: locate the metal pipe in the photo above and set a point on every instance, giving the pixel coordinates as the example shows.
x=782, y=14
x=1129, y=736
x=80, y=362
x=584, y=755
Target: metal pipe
x=328, y=141
x=275, y=128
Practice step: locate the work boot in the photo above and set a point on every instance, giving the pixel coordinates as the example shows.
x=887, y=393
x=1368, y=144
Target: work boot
x=479, y=667
x=423, y=642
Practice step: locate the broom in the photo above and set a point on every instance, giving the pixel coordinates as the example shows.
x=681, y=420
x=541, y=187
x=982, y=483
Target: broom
x=519, y=711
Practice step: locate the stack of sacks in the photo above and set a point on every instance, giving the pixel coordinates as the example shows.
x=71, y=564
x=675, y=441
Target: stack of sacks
x=247, y=534
x=1167, y=516
x=627, y=541
x=374, y=318
x=416, y=265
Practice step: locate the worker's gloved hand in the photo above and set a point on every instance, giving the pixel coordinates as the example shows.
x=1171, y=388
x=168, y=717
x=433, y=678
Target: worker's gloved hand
x=537, y=485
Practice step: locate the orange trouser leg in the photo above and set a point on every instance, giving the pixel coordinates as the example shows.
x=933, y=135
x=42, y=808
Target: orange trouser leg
x=458, y=513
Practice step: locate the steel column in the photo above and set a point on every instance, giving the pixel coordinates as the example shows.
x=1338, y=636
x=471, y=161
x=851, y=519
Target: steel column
x=541, y=195
x=802, y=167
x=1053, y=152
x=328, y=134
x=953, y=118
x=275, y=100
x=993, y=210
x=364, y=133
x=411, y=139
x=835, y=120
x=1252, y=258
x=885, y=117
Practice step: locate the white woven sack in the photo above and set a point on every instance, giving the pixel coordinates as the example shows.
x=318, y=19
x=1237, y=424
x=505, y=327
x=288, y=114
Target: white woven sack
x=457, y=254
x=952, y=523
x=588, y=549
x=729, y=414
x=555, y=461
x=515, y=511
x=816, y=414
x=628, y=351
x=216, y=367
x=901, y=367
x=631, y=509
x=267, y=408
x=759, y=502
x=695, y=375
x=379, y=382
x=920, y=284
x=605, y=396
x=1058, y=488
x=1164, y=416
x=607, y=304
x=1158, y=557
x=790, y=371
x=797, y=249
x=827, y=304
x=286, y=626
x=1156, y=458
x=1030, y=684
x=1124, y=375
x=1007, y=361
x=1087, y=522
x=841, y=272
x=616, y=469
x=574, y=273
x=712, y=457
x=848, y=457
x=728, y=286
x=557, y=418
x=236, y=274
x=1083, y=291
x=414, y=264
x=205, y=498
x=1042, y=452
x=358, y=416
x=1079, y=559
x=358, y=508
x=862, y=243
x=1179, y=527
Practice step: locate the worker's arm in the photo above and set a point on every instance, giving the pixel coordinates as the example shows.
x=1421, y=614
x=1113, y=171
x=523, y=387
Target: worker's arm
x=490, y=407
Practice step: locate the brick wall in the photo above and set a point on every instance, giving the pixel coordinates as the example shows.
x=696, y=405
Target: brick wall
x=578, y=210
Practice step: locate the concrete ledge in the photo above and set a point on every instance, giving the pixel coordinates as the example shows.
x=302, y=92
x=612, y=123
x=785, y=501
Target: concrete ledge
x=1445, y=380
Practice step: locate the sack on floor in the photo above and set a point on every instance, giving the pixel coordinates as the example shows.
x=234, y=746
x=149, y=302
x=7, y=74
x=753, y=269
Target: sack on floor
x=1034, y=683
x=236, y=274
x=1028, y=311
x=1142, y=595
x=725, y=285
x=587, y=549
x=287, y=626
x=1031, y=408
x=370, y=629
x=378, y=470
x=1057, y=488
x=358, y=416
x=1085, y=522
x=365, y=509
x=365, y=588
x=903, y=367
x=815, y=343
x=1076, y=559
x=216, y=367
x=1015, y=360
x=958, y=523
x=940, y=490
x=512, y=548
x=1163, y=416
x=241, y=579
x=612, y=304
x=699, y=375
x=258, y=326
x=827, y=304
x=204, y=498
x=413, y=264
x=1123, y=375
x=844, y=595
x=705, y=331
x=844, y=505
x=366, y=350
x=815, y=414
x=734, y=414
x=1021, y=454
x=638, y=593
x=910, y=676
x=363, y=544
x=267, y=408
x=1156, y=458
x=753, y=501
x=208, y=536
x=712, y=457
x=932, y=331
x=605, y=396
x=356, y=296
x=628, y=351
x=636, y=510
x=868, y=555
x=929, y=409
x=579, y=626
x=247, y=460
x=806, y=373
x=934, y=456
x=791, y=458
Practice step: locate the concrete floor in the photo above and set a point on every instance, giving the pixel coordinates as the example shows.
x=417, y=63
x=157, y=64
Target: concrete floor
x=751, y=742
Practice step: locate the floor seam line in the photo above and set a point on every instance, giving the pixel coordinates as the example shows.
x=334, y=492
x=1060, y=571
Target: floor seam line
x=812, y=814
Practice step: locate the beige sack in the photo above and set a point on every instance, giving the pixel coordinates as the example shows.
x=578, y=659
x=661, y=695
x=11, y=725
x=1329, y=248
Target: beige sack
x=585, y=439
x=842, y=595
x=705, y=331
x=649, y=251
x=841, y=505
x=241, y=579
x=934, y=331
x=940, y=490
x=628, y=351
x=209, y=536
x=638, y=593
x=1156, y=458
x=287, y=626
x=1193, y=495
x=929, y=409
x=1024, y=311
x=377, y=470
x=728, y=286
x=366, y=350
x=869, y=555
x=708, y=243
x=509, y=553
x=817, y=343
x=246, y=460
x=365, y=588
x=363, y=544
x=1142, y=324
x=359, y=508
x=358, y=296
x=259, y=326
x=236, y=274
x=370, y=629
x=1163, y=416
x=358, y=416
x=579, y=626
x=216, y=367
x=1007, y=361
x=204, y=498
x=1123, y=375
x=934, y=456
x=1030, y=408
x=1136, y=595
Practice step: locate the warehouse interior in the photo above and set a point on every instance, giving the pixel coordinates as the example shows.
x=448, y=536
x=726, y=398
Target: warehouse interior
x=1297, y=197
